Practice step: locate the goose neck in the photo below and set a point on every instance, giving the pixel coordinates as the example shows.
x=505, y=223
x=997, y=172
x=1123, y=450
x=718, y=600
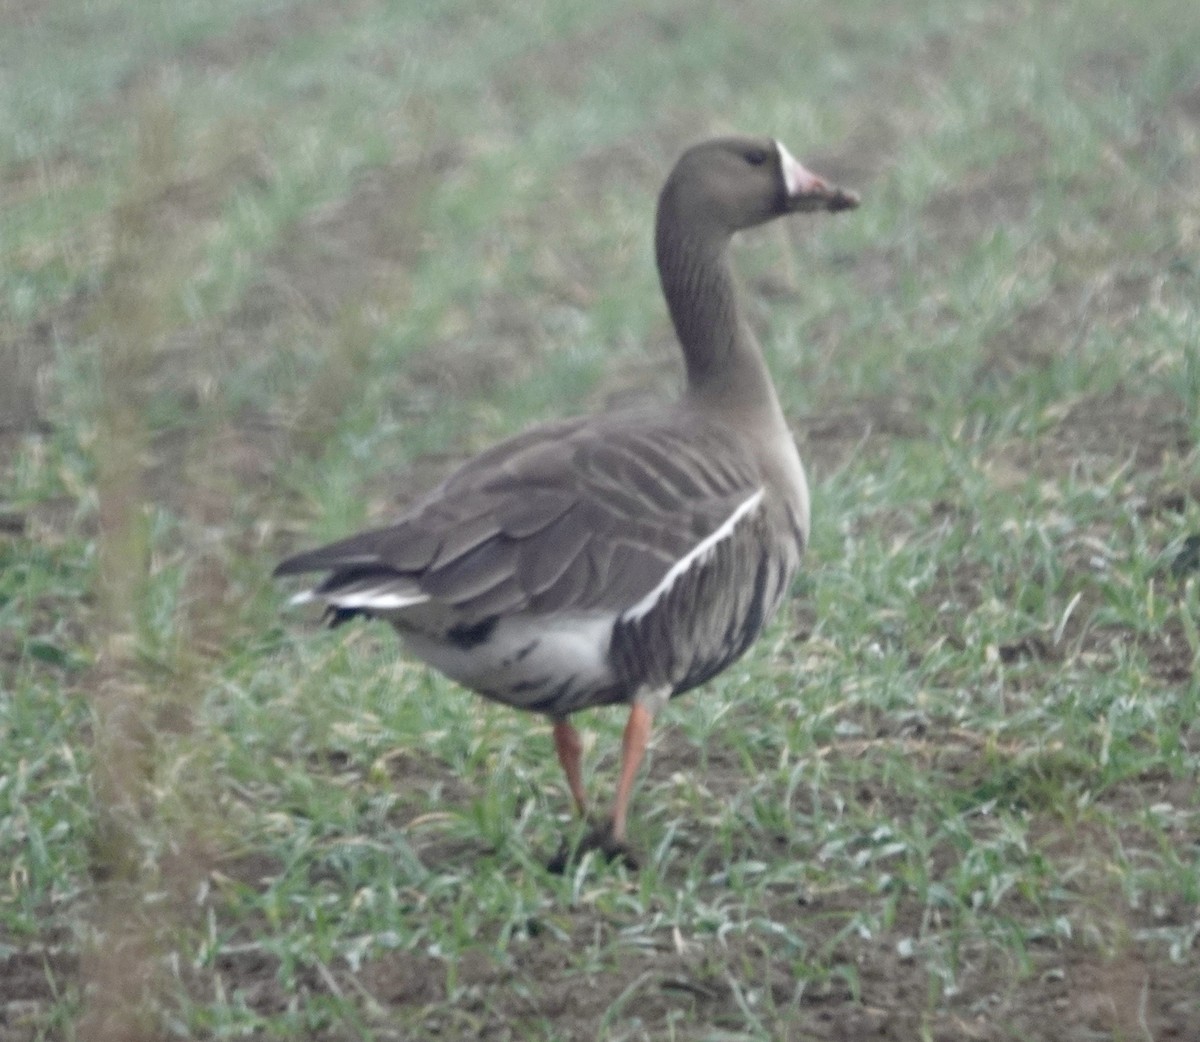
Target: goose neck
x=723, y=361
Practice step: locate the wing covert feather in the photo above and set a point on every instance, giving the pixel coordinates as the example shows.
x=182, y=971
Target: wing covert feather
x=567, y=516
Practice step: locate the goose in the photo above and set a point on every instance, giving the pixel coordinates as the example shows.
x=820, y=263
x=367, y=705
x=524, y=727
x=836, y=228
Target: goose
x=620, y=558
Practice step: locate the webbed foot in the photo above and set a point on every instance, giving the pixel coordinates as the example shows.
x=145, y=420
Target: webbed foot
x=599, y=838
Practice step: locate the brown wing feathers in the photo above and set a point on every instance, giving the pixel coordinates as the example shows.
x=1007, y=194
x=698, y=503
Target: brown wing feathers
x=552, y=523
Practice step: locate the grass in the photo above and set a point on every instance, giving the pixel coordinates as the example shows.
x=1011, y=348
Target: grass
x=270, y=268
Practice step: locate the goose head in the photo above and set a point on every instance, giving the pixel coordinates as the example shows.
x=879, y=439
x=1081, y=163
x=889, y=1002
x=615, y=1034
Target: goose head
x=727, y=184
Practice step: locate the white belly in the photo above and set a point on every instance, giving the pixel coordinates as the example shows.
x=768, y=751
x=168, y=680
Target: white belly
x=526, y=659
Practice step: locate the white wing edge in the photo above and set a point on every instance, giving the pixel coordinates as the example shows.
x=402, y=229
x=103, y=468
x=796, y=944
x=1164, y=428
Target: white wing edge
x=694, y=557
x=378, y=599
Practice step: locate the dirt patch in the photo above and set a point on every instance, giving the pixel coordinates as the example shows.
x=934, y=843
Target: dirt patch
x=1121, y=425
x=257, y=34
x=698, y=984
x=331, y=280
x=24, y=365
x=983, y=202
x=352, y=254
x=830, y=439
x=1101, y=432
x=1057, y=325
x=1188, y=103
x=248, y=38
x=21, y=13
x=358, y=249
x=32, y=980
x=1031, y=341
x=145, y=248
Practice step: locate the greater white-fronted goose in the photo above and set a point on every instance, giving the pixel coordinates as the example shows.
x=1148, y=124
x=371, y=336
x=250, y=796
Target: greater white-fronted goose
x=625, y=557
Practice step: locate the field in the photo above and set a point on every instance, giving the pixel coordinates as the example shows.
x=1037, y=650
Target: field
x=270, y=267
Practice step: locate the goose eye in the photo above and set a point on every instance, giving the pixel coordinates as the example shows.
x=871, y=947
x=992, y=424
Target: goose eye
x=756, y=157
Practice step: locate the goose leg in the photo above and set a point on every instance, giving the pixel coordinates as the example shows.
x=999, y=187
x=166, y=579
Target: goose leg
x=569, y=747
x=633, y=750
x=610, y=837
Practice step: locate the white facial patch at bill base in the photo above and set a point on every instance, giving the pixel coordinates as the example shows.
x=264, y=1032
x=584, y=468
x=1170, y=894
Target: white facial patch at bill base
x=797, y=179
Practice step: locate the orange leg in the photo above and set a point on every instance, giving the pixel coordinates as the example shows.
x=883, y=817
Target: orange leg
x=569, y=747
x=633, y=749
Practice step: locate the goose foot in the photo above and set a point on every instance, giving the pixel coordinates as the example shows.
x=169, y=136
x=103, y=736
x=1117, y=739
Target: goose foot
x=599, y=838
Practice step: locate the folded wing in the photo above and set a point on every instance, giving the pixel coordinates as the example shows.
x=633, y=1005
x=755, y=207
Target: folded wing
x=566, y=518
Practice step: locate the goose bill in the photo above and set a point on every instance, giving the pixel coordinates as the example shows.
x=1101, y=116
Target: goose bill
x=807, y=191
